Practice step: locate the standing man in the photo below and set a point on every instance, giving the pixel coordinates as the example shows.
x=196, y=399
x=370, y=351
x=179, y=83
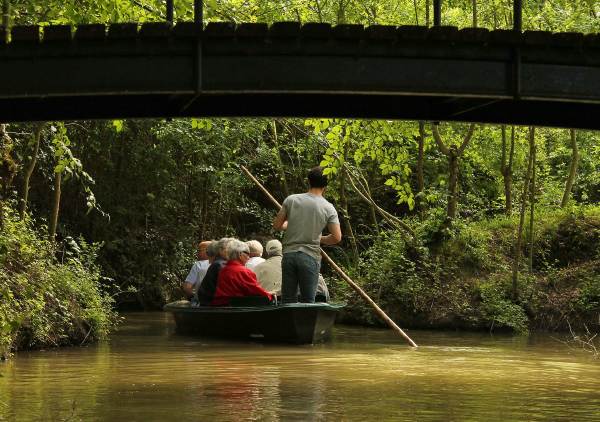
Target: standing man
x=303, y=216
x=197, y=272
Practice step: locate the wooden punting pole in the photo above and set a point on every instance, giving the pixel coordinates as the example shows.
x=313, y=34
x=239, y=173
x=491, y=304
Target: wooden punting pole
x=342, y=274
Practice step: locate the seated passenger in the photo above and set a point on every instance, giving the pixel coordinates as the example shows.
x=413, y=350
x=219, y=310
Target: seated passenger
x=207, y=288
x=256, y=251
x=269, y=273
x=235, y=280
x=197, y=272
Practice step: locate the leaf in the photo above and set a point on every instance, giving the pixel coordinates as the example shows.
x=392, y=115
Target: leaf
x=118, y=124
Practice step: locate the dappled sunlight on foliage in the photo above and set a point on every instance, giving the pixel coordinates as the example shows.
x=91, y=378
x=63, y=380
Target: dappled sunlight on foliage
x=51, y=294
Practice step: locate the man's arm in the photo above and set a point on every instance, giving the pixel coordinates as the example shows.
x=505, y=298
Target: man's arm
x=190, y=280
x=188, y=289
x=280, y=221
x=334, y=236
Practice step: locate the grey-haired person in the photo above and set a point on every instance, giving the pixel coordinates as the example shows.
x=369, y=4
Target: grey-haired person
x=256, y=251
x=207, y=289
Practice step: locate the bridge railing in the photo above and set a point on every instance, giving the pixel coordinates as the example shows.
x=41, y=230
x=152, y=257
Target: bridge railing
x=437, y=12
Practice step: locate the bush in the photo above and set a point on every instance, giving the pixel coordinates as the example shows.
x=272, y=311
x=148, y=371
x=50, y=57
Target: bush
x=462, y=277
x=51, y=294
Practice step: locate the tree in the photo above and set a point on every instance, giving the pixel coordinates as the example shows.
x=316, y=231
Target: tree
x=572, y=169
x=526, y=192
x=506, y=168
x=37, y=136
x=453, y=153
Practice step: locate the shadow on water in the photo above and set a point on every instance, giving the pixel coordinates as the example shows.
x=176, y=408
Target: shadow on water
x=148, y=372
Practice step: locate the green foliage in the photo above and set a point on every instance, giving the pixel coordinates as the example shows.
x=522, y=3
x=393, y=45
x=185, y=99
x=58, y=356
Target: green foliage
x=49, y=301
x=498, y=309
x=462, y=277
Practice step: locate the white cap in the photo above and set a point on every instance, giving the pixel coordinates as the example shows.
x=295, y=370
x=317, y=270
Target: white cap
x=274, y=246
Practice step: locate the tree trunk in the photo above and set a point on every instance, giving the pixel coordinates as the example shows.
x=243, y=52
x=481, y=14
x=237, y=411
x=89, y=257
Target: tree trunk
x=373, y=212
x=506, y=169
x=420, y=196
x=474, y=13
x=280, y=166
x=6, y=19
x=572, y=170
x=532, y=208
x=341, y=12
x=416, y=12
x=344, y=203
x=452, y=183
x=8, y=169
x=517, y=249
x=37, y=135
x=56, y=206
x=453, y=153
x=420, y=158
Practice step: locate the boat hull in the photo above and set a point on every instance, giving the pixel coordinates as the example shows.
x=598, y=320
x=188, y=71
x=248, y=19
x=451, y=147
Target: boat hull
x=290, y=323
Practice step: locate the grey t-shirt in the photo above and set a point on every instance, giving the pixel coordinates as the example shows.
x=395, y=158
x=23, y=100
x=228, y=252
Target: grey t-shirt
x=307, y=216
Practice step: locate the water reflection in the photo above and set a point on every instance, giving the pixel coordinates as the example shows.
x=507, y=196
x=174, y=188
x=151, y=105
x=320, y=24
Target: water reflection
x=146, y=372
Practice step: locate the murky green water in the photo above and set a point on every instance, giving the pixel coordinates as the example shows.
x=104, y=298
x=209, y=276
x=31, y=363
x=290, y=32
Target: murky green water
x=147, y=373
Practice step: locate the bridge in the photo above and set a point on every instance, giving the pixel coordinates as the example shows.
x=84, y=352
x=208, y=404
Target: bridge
x=163, y=69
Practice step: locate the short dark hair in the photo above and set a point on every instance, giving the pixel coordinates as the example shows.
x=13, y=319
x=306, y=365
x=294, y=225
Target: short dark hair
x=316, y=178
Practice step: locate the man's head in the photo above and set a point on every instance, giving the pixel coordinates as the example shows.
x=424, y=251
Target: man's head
x=274, y=247
x=212, y=250
x=316, y=178
x=256, y=248
x=202, y=256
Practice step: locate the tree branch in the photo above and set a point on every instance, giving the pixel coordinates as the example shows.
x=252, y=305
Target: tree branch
x=438, y=139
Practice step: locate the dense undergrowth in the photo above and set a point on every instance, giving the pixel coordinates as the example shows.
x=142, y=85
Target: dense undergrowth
x=461, y=277
x=50, y=294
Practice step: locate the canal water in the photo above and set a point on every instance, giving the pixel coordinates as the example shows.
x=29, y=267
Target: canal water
x=148, y=373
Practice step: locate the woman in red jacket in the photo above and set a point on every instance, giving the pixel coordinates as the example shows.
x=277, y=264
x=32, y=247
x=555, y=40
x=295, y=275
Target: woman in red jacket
x=235, y=280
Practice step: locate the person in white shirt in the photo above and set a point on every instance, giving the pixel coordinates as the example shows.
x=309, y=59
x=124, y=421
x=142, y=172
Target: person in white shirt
x=256, y=251
x=197, y=272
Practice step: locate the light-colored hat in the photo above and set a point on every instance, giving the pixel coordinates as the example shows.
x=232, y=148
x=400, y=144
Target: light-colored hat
x=274, y=246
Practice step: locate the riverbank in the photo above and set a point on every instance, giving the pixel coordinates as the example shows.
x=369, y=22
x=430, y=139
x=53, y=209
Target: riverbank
x=50, y=293
x=460, y=277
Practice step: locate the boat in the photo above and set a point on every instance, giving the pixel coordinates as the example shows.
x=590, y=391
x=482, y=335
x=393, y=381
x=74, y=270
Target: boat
x=299, y=323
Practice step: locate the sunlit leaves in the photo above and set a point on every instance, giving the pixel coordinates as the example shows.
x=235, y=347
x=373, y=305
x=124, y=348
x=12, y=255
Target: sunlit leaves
x=118, y=125
x=350, y=142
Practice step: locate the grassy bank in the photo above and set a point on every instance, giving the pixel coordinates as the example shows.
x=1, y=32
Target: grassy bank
x=50, y=294
x=461, y=277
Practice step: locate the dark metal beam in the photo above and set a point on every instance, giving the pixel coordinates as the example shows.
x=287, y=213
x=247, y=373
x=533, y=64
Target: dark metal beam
x=172, y=72
x=437, y=12
x=170, y=13
x=518, y=15
x=409, y=107
x=198, y=11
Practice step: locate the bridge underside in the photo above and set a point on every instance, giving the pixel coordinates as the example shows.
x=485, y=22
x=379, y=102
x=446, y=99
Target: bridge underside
x=471, y=75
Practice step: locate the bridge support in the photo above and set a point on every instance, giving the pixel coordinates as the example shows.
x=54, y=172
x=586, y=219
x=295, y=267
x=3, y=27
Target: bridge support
x=170, y=11
x=437, y=12
x=198, y=12
x=518, y=15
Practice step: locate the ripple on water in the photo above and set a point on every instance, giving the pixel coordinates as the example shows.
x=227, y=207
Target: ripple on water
x=147, y=373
